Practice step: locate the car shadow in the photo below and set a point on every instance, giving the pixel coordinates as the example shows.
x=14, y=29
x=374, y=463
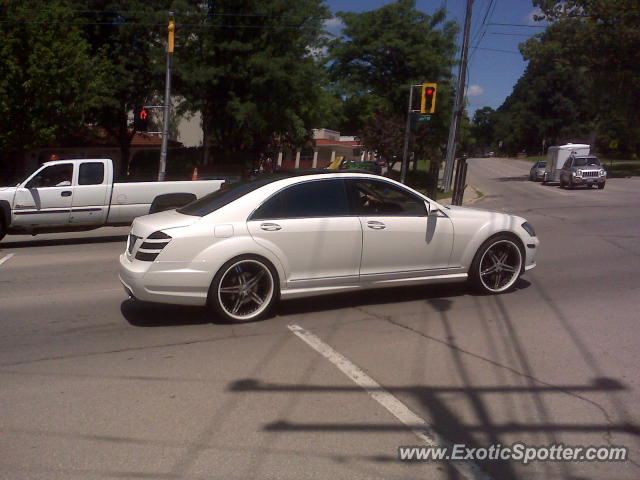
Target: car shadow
x=147, y=314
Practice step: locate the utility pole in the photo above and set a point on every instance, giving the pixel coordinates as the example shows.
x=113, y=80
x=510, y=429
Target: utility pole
x=459, y=103
x=162, y=171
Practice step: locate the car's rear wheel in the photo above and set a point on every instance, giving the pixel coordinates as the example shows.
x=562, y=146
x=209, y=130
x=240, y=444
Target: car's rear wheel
x=497, y=265
x=244, y=289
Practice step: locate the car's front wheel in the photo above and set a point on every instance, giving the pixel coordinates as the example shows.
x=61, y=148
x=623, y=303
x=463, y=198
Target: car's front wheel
x=497, y=265
x=244, y=289
x=600, y=186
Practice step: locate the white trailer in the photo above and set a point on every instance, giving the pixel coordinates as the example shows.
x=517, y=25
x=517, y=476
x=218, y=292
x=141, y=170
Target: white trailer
x=557, y=155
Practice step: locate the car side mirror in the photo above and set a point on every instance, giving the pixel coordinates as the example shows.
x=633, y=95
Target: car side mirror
x=432, y=210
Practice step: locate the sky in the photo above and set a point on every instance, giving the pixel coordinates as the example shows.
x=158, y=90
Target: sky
x=495, y=63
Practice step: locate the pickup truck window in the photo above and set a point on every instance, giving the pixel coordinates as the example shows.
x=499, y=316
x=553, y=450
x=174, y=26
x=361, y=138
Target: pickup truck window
x=91, y=173
x=53, y=176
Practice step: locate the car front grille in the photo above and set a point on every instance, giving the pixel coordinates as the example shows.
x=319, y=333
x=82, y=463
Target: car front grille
x=590, y=174
x=152, y=246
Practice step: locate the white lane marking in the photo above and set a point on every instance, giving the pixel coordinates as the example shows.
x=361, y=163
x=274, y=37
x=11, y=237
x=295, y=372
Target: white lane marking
x=6, y=258
x=417, y=425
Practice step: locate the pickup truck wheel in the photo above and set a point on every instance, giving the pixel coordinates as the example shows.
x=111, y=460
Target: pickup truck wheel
x=497, y=265
x=244, y=289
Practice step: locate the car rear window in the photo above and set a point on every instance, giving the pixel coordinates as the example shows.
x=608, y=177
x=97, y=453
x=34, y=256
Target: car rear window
x=227, y=194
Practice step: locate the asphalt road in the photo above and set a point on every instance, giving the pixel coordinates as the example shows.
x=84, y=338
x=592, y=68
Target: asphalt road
x=94, y=385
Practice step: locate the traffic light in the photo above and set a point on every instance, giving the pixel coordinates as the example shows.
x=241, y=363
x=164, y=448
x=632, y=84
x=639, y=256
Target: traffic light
x=428, y=104
x=141, y=120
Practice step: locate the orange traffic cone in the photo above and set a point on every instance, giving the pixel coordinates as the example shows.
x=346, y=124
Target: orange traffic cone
x=194, y=175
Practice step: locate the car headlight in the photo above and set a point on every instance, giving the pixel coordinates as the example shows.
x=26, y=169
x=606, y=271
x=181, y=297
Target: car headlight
x=602, y=172
x=579, y=173
x=529, y=229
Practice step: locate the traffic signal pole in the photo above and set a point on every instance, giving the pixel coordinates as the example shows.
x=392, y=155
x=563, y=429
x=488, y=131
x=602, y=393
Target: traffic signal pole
x=459, y=103
x=162, y=170
x=407, y=131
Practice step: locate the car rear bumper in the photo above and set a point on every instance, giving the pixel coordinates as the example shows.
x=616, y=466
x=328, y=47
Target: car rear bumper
x=175, y=285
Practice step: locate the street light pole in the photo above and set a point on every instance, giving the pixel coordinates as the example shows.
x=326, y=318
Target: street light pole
x=162, y=170
x=459, y=103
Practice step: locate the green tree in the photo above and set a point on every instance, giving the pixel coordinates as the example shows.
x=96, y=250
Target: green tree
x=252, y=69
x=48, y=79
x=128, y=38
x=381, y=53
x=482, y=128
x=582, y=79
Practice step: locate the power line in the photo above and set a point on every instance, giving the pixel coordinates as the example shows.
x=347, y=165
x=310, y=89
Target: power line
x=513, y=34
x=498, y=50
x=516, y=25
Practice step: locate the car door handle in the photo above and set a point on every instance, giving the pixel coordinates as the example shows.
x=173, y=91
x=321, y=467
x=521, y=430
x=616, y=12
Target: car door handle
x=65, y=193
x=376, y=225
x=270, y=227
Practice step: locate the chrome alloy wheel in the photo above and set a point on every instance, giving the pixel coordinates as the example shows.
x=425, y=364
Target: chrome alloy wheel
x=500, y=266
x=245, y=289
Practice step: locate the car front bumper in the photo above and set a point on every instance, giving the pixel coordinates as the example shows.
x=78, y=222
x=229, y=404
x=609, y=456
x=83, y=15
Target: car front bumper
x=589, y=180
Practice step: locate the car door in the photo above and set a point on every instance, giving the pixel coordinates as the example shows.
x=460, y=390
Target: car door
x=399, y=239
x=308, y=226
x=45, y=199
x=90, y=193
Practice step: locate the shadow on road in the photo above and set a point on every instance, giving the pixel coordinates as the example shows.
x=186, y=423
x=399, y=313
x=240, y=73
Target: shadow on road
x=62, y=241
x=145, y=314
x=519, y=178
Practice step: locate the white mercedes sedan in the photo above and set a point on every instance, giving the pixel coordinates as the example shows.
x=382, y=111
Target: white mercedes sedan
x=241, y=249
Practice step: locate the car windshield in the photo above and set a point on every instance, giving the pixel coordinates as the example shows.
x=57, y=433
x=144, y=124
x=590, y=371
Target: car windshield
x=583, y=162
x=225, y=195
x=542, y=164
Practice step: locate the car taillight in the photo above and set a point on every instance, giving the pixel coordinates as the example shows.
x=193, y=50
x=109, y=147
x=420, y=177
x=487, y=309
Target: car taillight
x=152, y=246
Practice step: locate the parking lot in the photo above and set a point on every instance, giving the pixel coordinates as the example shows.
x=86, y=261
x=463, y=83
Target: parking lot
x=95, y=385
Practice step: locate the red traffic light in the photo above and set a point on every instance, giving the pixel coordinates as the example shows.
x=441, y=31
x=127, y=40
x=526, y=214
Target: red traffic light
x=143, y=114
x=429, y=91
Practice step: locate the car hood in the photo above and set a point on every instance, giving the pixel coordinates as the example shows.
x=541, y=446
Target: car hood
x=468, y=214
x=146, y=225
x=6, y=193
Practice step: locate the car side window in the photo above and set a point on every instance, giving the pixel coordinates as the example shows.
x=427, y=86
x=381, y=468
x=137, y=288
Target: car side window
x=373, y=197
x=91, y=173
x=318, y=198
x=53, y=176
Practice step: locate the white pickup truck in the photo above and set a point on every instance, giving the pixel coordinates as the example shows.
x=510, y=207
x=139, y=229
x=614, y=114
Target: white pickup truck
x=68, y=195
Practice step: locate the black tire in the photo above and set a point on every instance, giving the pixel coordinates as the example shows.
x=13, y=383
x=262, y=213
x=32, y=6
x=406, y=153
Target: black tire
x=3, y=227
x=488, y=281
x=601, y=186
x=235, y=276
x=562, y=184
x=571, y=185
